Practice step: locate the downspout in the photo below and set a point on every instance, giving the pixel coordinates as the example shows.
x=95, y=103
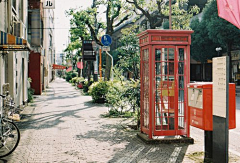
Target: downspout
x=9, y=15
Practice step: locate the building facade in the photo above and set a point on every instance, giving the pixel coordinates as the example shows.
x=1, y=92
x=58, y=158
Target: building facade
x=22, y=39
x=14, y=49
x=41, y=38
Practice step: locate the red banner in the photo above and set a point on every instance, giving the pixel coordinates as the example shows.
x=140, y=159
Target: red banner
x=80, y=65
x=60, y=67
x=229, y=10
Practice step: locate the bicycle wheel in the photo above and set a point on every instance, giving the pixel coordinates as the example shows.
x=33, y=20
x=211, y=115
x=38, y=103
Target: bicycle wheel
x=9, y=139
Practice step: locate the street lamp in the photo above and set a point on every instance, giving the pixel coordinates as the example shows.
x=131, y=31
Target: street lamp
x=218, y=49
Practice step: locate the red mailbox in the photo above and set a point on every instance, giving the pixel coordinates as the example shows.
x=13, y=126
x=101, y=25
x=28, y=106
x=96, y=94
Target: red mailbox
x=200, y=105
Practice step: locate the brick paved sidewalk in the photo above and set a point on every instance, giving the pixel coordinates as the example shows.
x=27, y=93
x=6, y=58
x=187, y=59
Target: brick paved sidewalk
x=64, y=126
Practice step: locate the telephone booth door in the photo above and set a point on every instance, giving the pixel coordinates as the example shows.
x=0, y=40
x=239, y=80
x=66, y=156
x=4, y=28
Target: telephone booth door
x=169, y=90
x=165, y=70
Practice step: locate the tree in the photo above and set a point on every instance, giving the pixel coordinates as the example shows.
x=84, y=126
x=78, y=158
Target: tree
x=157, y=11
x=129, y=57
x=115, y=16
x=80, y=31
x=221, y=31
x=202, y=47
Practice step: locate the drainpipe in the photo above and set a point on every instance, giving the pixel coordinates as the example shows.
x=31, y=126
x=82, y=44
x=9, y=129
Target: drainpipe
x=9, y=15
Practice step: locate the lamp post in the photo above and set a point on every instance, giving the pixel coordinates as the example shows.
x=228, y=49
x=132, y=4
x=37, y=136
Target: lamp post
x=218, y=49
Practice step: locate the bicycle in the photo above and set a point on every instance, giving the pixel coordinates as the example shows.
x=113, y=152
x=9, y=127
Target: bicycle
x=9, y=132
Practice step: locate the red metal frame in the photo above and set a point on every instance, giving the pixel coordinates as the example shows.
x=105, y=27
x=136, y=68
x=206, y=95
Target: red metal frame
x=164, y=117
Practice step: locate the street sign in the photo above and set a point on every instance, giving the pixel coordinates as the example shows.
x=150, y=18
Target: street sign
x=106, y=40
x=220, y=135
x=106, y=48
x=88, y=51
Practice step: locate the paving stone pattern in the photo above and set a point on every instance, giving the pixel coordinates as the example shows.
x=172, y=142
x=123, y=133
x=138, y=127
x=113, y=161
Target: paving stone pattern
x=64, y=126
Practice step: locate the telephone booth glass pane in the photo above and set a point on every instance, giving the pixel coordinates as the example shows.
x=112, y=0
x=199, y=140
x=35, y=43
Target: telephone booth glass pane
x=164, y=94
x=145, y=70
x=181, y=91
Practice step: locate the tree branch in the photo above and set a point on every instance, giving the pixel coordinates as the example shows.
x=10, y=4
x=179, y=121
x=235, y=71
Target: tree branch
x=146, y=13
x=119, y=23
x=117, y=13
x=93, y=33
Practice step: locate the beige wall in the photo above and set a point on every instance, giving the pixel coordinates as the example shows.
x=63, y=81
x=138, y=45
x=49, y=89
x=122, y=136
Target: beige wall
x=48, y=45
x=14, y=65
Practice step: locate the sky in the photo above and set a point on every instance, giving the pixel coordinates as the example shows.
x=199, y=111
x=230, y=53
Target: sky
x=62, y=23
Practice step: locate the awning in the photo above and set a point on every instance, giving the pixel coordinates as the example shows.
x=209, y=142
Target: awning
x=10, y=42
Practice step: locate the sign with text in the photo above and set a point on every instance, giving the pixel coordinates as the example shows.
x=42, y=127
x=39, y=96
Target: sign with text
x=106, y=48
x=220, y=84
x=220, y=134
x=49, y=4
x=59, y=67
x=88, y=50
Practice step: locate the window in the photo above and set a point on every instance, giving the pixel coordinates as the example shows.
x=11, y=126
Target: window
x=14, y=5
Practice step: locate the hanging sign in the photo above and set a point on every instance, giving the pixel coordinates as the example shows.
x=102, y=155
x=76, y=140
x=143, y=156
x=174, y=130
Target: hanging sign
x=88, y=51
x=49, y=4
x=59, y=67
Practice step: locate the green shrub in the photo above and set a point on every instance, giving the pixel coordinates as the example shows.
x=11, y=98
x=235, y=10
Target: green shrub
x=132, y=96
x=115, y=96
x=30, y=94
x=70, y=75
x=73, y=80
x=98, y=91
x=86, y=85
x=77, y=80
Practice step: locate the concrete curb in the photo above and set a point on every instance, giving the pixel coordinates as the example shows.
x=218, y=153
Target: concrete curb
x=165, y=140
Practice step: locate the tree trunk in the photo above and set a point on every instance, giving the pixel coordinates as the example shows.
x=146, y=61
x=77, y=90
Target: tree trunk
x=107, y=68
x=89, y=71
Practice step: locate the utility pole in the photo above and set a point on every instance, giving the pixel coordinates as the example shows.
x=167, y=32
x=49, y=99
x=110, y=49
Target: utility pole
x=95, y=63
x=170, y=14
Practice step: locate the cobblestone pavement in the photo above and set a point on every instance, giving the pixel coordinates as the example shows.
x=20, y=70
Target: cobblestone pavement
x=64, y=126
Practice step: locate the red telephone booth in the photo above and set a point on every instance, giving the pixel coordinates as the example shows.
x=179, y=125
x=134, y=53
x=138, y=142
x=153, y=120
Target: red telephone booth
x=165, y=73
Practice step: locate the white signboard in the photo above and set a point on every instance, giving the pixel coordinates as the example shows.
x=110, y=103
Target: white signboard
x=220, y=86
x=49, y=4
x=95, y=67
x=106, y=48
